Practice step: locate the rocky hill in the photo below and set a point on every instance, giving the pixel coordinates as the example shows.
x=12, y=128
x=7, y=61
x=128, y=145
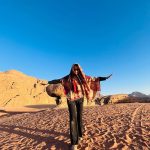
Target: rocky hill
x=123, y=98
x=138, y=94
x=18, y=89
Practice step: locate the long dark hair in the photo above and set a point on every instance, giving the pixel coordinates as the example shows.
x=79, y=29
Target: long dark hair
x=80, y=75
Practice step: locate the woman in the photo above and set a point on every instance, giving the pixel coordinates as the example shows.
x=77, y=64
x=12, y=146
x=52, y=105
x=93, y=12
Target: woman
x=77, y=85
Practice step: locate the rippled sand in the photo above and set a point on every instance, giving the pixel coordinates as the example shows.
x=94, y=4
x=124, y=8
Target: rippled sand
x=117, y=126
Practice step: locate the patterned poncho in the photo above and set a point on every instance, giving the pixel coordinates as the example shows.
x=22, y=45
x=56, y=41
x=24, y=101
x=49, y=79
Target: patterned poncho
x=74, y=90
x=74, y=87
x=78, y=86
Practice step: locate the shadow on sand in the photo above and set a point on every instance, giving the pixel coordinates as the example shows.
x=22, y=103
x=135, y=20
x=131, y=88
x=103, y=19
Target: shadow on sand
x=43, y=106
x=50, y=140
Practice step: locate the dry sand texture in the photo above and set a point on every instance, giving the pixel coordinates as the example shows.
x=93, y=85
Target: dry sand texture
x=118, y=126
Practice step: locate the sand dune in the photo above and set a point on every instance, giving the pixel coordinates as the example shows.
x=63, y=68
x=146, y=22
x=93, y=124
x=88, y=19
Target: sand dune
x=118, y=126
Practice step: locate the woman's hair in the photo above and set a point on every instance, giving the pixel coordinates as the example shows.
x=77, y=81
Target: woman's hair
x=80, y=75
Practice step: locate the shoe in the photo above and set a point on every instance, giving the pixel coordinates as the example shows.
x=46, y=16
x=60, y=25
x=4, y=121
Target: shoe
x=74, y=147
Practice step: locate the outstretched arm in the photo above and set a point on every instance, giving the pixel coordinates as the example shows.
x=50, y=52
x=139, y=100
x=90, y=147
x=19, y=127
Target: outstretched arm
x=58, y=80
x=104, y=78
x=52, y=82
x=55, y=81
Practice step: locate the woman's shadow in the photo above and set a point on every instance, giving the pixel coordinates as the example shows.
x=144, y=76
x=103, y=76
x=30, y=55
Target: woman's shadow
x=50, y=140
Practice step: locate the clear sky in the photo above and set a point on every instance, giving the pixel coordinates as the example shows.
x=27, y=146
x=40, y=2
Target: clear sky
x=43, y=38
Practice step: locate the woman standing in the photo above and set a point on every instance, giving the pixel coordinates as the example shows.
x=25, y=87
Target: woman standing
x=77, y=85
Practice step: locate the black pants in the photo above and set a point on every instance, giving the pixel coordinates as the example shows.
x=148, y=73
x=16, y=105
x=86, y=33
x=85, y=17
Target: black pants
x=75, y=114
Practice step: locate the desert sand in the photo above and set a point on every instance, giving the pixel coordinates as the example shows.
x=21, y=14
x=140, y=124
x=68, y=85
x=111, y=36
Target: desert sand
x=118, y=126
x=30, y=119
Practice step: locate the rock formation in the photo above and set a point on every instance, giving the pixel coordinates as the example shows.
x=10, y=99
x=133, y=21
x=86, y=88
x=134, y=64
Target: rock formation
x=18, y=89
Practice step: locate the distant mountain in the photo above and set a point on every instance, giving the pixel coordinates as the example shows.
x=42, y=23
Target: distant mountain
x=139, y=94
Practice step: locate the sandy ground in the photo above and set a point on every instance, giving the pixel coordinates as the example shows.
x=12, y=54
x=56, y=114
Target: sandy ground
x=117, y=126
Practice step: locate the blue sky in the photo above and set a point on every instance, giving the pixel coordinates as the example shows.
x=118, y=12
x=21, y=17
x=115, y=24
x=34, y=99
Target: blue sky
x=43, y=38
